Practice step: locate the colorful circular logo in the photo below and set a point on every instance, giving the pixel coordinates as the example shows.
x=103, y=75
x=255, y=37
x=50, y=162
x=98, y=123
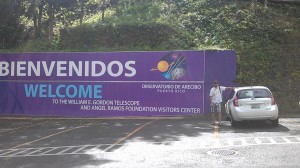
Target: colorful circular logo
x=172, y=66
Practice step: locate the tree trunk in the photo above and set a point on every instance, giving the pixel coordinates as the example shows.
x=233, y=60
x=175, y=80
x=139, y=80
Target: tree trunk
x=103, y=9
x=51, y=20
x=238, y=3
x=169, y=7
x=35, y=17
x=254, y=3
x=39, y=19
x=81, y=11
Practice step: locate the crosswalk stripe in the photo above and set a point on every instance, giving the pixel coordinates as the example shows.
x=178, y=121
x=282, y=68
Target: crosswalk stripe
x=3, y=154
x=285, y=139
x=30, y=153
x=202, y=143
x=244, y=142
x=257, y=140
x=230, y=142
x=64, y=150
x=80, y=149
x=51, y=149
x=272, y=140
x=22, y=151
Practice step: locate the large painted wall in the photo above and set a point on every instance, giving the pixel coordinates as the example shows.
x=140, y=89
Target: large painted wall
x=102, y=84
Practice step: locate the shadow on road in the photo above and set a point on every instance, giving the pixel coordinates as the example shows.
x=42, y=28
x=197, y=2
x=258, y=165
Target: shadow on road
x=117, y=131
x=255, y=126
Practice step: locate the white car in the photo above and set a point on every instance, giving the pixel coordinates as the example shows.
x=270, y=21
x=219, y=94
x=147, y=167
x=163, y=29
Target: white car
x=251, y=103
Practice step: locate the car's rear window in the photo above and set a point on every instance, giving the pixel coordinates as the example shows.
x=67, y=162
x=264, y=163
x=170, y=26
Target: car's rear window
x=254, y=93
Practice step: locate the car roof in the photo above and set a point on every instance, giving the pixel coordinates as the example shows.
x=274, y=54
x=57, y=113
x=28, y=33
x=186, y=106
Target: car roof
x=251, y=87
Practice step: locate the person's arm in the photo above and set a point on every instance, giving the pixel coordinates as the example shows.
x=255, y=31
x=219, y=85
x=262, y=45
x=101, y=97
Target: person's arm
x=211, y=97
x=211, y=103
x=223, y=88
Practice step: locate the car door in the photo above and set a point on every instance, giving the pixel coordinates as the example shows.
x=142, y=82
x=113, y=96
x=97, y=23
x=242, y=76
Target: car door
x=229, y=101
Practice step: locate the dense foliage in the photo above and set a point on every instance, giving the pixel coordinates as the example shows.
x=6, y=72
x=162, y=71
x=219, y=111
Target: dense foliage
x=266, y=36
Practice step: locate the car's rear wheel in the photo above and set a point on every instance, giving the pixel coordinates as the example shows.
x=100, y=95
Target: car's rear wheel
x=274, y=122
x=233, y=122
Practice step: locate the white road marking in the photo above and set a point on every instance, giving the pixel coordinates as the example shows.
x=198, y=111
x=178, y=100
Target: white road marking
x=244, y=142
x=196, y=144
x=22, y=151
x=63, y=151
x=257, y=140
x=286, y=140
x=9, y=151
x=34, y=151
x=272, y=140
x=80, y=149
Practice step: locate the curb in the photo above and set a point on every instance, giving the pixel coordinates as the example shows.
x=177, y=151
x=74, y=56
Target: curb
x=202, y=117
x=88, y=118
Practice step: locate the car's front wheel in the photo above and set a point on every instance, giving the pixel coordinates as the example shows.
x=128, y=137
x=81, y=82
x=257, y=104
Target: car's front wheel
x=274, y=122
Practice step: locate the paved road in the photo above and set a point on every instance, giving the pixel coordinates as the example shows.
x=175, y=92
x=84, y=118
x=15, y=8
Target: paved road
x=147, y=142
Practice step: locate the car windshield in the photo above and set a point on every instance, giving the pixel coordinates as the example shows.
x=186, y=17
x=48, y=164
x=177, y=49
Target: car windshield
x=253, y=93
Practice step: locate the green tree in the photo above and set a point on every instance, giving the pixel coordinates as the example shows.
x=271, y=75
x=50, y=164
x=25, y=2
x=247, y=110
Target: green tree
x=10, y=26
x=35, y=12
x=138, y=10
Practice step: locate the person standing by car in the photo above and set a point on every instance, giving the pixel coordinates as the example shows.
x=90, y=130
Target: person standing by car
x=216, y=101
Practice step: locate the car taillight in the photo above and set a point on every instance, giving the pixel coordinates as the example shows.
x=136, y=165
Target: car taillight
x=273, y=100
x=235, y=102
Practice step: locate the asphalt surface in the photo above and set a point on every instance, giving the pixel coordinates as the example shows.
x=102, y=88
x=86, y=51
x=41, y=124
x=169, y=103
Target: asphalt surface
x=146, y=142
